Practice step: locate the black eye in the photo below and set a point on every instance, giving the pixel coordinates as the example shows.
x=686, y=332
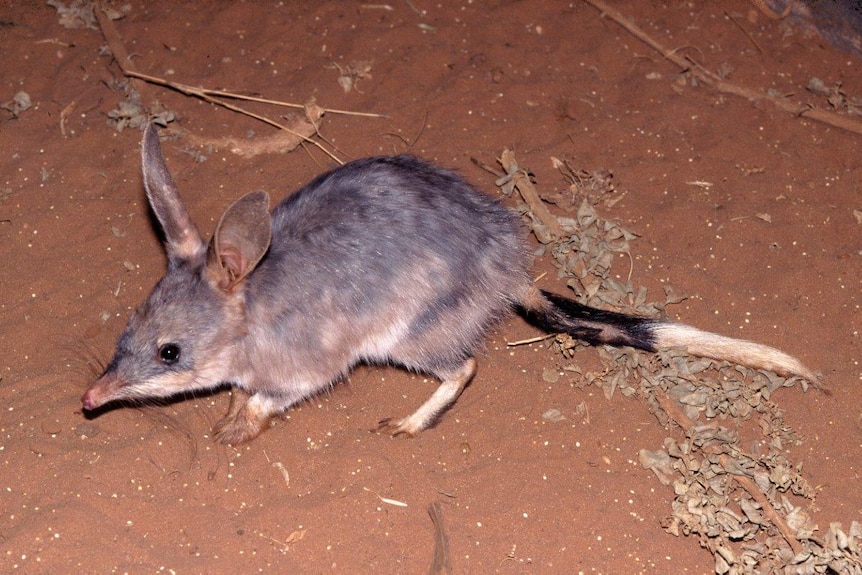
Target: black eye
x=169, y=353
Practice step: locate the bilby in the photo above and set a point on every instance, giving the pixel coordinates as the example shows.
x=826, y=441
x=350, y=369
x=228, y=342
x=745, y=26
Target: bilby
x=385, y=260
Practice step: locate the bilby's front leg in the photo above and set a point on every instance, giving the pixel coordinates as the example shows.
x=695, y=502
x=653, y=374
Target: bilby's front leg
x=247, y=416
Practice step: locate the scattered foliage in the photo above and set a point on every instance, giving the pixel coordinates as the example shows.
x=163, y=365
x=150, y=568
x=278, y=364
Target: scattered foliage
x=745, y=505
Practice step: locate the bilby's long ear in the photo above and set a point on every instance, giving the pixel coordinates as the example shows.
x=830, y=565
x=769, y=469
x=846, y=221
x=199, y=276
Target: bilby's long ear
x=240, y=240
x=182, y=239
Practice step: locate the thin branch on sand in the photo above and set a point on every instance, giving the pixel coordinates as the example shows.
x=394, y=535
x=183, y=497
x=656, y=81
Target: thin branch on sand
x=711, y=79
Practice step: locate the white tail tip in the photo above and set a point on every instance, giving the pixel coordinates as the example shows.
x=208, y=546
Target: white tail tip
x=747, y=353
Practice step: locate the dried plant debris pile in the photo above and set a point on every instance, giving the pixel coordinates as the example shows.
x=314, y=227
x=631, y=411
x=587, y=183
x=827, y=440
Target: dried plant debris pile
x=836, y=97
x=747, y=507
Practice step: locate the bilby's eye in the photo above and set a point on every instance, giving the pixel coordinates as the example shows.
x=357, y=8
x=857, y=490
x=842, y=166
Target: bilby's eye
x=169, y=353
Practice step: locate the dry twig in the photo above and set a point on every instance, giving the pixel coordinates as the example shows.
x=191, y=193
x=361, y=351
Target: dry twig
x=140, y=80
x=442, y=562
x=118, y=48
x=771, y=14
x=521, y=181
x=711, y=79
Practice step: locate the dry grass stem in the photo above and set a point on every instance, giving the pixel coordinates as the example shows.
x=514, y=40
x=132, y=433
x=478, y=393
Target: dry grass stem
x=386, y=500
x=236, y=96
x=530, y=340
x=280, y=466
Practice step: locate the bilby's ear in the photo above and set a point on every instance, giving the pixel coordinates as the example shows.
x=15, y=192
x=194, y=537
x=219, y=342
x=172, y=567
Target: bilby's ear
x=240, y=240
x=182, y=239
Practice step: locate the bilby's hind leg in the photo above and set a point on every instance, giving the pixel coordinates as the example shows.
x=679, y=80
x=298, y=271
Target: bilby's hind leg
x=450, y=388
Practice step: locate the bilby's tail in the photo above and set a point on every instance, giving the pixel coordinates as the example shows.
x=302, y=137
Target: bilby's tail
x=553, y=313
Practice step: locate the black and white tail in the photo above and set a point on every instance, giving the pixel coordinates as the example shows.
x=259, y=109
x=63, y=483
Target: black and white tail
x=553, y=313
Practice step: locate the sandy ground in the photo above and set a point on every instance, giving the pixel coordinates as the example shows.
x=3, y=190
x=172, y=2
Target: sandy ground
x=769, y=250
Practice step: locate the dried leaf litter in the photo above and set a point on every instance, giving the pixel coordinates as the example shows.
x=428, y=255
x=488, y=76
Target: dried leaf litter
x=746, y=508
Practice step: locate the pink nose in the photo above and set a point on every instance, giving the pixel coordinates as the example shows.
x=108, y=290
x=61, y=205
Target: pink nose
x=88, y=401
x=100, y=391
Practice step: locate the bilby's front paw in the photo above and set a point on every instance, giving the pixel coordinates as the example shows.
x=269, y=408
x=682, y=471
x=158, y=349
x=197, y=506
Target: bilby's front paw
x=238, y=429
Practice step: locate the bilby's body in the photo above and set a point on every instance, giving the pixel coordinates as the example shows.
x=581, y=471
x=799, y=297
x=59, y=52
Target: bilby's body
x=383, y=260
